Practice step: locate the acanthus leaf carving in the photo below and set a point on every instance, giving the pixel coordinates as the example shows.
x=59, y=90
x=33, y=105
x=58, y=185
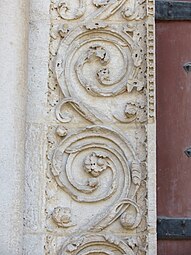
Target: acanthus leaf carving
x=100, y=60
x=85, y=111
x=68, y=13
x=96, y=25
x=107, y=8
x=126, y=47
x=104, y=84
x=106, y=156
x=134, y=10
x=96, y=244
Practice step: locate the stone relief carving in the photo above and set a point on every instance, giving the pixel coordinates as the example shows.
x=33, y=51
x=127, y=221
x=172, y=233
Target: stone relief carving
x=131, y=10
x=126, y=47
x=134, y=111
x=96, y=244
x=61, y=131
x=68, y=13
x=62, y=216
x=102, y=90
x=92, y=138
x=134, y=10
x=129, y=76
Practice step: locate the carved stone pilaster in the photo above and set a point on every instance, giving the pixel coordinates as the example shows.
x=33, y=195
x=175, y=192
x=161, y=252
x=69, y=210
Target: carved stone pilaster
x=102, y=121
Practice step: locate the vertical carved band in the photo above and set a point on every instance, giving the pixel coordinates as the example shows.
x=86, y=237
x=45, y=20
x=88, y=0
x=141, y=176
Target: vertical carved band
x=102, y=60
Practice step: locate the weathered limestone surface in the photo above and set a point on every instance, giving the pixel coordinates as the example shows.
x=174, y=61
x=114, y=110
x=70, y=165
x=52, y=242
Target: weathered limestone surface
x=100, y=193
x=36, y=128
x=13, y=83
x=90, y=132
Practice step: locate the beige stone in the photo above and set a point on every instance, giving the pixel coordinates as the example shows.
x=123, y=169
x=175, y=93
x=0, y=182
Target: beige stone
x=90, y=177
x=102, y=141
x=13, y=96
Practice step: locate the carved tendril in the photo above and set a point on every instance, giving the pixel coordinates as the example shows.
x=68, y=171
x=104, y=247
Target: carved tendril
x=67, y=13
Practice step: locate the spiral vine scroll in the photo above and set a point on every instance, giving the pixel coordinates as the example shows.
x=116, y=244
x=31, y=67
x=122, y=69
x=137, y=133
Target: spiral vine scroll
x=100, y=66
x=96, y=245
x=96, y=43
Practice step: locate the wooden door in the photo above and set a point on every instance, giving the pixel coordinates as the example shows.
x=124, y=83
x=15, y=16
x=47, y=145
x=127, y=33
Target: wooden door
x=173, y=40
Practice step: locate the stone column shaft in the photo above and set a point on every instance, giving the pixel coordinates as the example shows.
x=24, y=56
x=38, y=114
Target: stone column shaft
x=13, y=94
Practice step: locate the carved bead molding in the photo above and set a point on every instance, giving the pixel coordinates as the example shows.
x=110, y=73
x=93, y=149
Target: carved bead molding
x=101, y=101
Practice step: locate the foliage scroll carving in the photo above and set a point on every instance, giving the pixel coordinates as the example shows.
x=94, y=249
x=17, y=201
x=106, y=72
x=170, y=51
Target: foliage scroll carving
x=97, y=153
x=106, y=81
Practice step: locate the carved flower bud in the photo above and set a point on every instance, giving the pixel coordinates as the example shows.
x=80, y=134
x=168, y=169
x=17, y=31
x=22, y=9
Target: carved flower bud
x=62, y=216
x=63, y=30
x=128, y=219
x=61, y=131
x=92, y=182
x=128, y=11
x=130, y=110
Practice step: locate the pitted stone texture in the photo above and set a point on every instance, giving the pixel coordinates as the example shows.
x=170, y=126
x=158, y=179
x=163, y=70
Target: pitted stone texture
x=92, y=96
x=101, y=94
